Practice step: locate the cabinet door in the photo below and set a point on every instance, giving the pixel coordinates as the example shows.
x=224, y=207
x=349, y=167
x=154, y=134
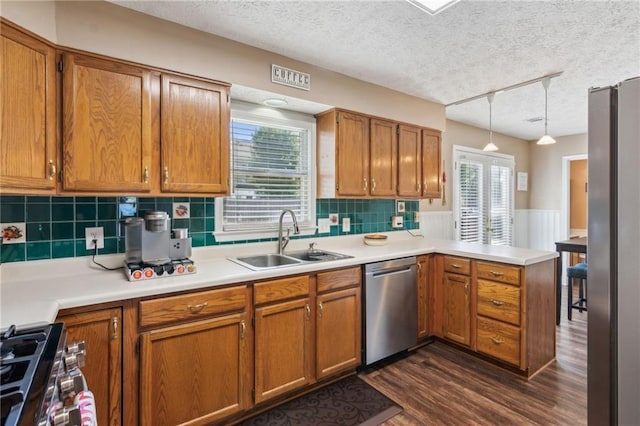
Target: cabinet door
x=338, y=331
x=431, y=163
x=352, y=154
x=383, y=160
x=409, y=162
x=457, y=317
x=283, y=339
x=28, y=154
x=101, y=332
x=106, y=125
x=423, y=299
x=195, y=136
x=195, y=373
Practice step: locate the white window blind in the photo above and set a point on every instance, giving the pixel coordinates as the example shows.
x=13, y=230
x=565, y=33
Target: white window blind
x=483, y=196
x=271, y=158
x=471, y=201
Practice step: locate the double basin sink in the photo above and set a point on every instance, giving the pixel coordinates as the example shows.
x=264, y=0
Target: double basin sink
x=271, y=261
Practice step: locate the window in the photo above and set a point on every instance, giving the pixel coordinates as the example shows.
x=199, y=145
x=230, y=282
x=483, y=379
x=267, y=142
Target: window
x=271, y=170
x=483, y=196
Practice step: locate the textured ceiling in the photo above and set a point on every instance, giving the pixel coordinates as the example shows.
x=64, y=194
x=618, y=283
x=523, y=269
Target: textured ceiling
x=470, y=48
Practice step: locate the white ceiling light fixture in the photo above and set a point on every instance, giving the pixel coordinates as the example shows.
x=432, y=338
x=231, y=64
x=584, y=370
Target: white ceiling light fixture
x=490, y=146
x=546, y=139
x=433, y=7
x=275, y=102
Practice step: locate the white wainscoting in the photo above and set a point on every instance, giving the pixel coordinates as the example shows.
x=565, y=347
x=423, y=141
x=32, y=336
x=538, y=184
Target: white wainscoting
x=544, y=229
x=521, y=228
x=437, y=225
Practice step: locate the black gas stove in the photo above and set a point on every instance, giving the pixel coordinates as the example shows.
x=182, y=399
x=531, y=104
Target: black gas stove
x=27, y=365
x=40, y=377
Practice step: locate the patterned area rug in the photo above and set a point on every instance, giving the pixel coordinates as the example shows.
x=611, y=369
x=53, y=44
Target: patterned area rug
x=348, y=402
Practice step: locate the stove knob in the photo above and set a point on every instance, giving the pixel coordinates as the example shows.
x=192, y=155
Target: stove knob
x=71, y=384
x=68, y=416
x=72, y=361
x=76, y=347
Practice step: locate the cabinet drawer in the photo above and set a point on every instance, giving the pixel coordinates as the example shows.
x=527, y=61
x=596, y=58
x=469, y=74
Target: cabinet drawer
x=286, y=288
x=457, y=265
x=192, y=306
x=334, y=280
x=499, y=340
x=497, y=272
x=499, y=301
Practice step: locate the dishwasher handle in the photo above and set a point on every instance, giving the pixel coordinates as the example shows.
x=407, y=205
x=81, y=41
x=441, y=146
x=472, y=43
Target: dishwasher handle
x=394, y=271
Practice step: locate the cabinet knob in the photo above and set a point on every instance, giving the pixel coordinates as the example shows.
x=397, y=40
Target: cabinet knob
x=165, y=175
x=52, y=170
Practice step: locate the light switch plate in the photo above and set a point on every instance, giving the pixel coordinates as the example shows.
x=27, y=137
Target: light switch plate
x=324, y=226
x=397, y=221
x=346, y=224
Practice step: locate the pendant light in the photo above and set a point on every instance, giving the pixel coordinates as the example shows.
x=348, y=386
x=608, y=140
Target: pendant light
x=546, y=139
x=490, y=146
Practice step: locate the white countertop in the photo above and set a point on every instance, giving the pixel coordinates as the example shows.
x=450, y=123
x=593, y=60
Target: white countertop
x=33, y=292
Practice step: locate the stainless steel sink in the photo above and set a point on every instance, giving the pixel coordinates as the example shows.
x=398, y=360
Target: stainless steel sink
x=265, y=261
x=316, y=255
x=272, y=261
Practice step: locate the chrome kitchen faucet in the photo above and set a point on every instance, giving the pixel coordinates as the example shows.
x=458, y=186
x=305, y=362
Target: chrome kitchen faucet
x=283, y=241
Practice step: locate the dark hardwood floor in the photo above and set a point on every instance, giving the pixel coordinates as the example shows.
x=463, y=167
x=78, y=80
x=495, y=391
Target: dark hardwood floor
x=439, y=385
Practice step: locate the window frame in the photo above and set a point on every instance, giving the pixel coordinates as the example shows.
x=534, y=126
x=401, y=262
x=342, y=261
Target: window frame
x=270, y=116
x=486, y=159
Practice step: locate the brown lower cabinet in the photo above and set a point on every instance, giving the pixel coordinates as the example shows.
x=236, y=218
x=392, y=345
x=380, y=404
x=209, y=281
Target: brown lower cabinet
x=194, y=373
x=101, y=332
x=457, y=308
x=283, y=348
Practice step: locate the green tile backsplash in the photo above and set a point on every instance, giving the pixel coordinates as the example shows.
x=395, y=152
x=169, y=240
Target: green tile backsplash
x=55, y=225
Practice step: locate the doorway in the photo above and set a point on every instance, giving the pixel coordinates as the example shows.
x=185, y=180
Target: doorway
x=573, y=214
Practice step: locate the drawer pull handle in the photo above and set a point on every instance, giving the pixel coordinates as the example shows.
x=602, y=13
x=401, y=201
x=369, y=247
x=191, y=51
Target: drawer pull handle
x=455, y=265
x=497, y=302
x=497, y=340
x=307, y=311
x=364, y=184
x=165, y=175
x=496, y=273
x=243, y=329
x=320, y=310
x=373, y=184
x=145, y=175
x=196, y=308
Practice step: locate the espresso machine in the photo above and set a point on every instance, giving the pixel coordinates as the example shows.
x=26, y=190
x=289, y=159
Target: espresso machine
x=153, y=250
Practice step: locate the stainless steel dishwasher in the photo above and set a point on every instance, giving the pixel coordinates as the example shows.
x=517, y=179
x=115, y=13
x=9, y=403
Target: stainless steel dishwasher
x=390, y=308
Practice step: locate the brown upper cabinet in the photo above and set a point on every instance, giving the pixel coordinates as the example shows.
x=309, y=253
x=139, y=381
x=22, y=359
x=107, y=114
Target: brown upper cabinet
x=431, y=163
x=383, y=155
x=195, y=135
x=363, y=156
x=106, y=125
x=410, y=170
x=28, y=147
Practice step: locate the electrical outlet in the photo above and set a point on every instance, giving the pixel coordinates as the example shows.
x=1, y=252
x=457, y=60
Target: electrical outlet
x=346, y=224
x=91, y=234
x=397, y=221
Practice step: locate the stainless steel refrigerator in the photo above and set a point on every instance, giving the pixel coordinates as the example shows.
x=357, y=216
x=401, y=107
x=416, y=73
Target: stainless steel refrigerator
x=614, y=255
